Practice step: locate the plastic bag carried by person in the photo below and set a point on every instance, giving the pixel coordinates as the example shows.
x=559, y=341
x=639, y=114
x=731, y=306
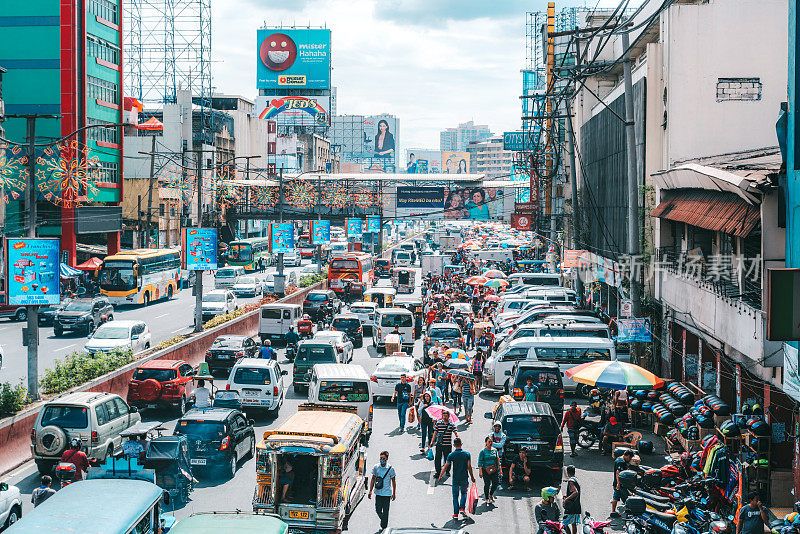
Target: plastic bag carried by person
x=411, y=416
x=430, y=454
x=472, y=498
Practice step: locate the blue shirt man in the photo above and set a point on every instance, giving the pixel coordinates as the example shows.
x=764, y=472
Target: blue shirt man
x=530, y=390
x=267, y=352
x=462, y=472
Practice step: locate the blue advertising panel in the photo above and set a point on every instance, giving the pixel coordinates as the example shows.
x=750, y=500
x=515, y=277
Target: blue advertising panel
x=282, y=237
x=200, y=249
x=373, y=225
x=293, y=59
x=634, y=330
x=320, y=232
x=521, y=141
x=355, y=227
x=33, y=272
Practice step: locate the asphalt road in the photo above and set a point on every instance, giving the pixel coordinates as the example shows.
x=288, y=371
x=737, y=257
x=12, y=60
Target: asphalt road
x=420, y=501
x=166, y=319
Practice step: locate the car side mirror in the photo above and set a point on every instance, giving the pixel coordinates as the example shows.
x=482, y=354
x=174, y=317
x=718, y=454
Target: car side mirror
x=251, y=422
x=284, y=372
x=165, y=497
x=133, y=409
x=3, y=486
x=135, y=337
x=488, y=415
x=508, y=373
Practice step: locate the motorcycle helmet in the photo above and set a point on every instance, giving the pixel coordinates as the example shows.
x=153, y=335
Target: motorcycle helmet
x=747, y=409
x=686, y=459
x=758, y=410
x=549, y=492
x=796, y=507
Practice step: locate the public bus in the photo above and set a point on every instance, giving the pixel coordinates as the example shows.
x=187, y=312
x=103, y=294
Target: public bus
x=252, y=253
x=141, y=276
x=353, y=266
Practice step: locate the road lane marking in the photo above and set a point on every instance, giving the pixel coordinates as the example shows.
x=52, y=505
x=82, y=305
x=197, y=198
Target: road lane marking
x=432, y=483
x=64, y=348
x=160, y=316
x=179, y=329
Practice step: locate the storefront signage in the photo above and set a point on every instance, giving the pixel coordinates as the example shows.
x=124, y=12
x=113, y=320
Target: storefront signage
x=634, y=331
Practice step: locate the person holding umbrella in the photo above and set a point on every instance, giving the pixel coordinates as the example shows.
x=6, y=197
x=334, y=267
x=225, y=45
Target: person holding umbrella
x=443, y=440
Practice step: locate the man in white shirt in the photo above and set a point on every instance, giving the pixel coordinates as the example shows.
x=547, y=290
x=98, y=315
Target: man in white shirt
x=202, y=395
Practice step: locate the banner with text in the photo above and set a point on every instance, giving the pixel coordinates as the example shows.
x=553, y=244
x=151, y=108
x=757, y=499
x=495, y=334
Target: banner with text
x=282, y=237
x=373, y=225
x=200, y=249
x=355, y=227
x=33, y=271
x=320, y=232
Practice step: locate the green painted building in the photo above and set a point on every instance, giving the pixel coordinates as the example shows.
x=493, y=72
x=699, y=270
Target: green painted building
x=64, y=57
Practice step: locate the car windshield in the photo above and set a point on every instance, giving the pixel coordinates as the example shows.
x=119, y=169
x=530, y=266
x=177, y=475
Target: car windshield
x=346, y=324
x=215, y=297
x=200, y=430
x=357, y=309
x=111, y=332
x=65, y=416
x=159, y=375
x=317, y=297
x=246, y=281
x=542, y=378
x=315, y=354
x=226, y=273
x=445, y=333
x=399, y=320
x=78, y=306
x=227, y=343
x=393, y=367
x=254, y=376
x=343, y=391
x=536, y=427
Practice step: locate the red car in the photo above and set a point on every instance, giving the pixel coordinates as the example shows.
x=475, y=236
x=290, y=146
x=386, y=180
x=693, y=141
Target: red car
x=162, y=384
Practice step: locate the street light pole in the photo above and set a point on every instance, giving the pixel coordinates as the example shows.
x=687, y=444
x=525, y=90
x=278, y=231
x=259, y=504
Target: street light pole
x=33, y=311
x=198, y=295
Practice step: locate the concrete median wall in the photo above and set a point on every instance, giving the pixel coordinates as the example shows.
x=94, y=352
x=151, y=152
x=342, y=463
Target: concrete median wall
x=15, y=431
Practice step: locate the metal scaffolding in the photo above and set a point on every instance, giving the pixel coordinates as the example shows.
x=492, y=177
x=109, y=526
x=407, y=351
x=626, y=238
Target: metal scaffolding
x=168, y=46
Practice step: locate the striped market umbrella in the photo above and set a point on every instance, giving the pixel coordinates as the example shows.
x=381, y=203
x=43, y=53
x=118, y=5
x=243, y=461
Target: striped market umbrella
x=456, y=353
x=614, y=375
x=494, y=273
x=491, y=298
x=495, y=283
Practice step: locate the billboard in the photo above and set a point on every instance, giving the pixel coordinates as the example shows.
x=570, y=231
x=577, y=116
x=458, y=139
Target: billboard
x=355, y=227
x=33, y=271
x=370, y=141
x=634, y=331
x=455, y=162
x=295, y=110
x=282, y=239
x=200, y=249
x=423, y=160
x=293, y=58
x=473, y=203
x=521, y=141
x=416, y=201
x=320, y=232
x=373, y=225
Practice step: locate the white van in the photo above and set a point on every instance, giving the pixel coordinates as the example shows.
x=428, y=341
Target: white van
x=516, y=304
x=227, y=276
x=275, y=320
x=565, y=351
x=259, y=383
x=367, y=313
x=535, y=279
x=388, y=319
x=553, y=294
x=339, y=383
x=552, y=328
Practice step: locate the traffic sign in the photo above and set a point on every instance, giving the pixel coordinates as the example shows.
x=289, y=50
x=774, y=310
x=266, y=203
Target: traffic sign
x=521, y=221
x=626, y=308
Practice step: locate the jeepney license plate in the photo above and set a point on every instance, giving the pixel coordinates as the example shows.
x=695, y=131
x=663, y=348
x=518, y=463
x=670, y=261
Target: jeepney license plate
x=198, y=461
x=298, y=514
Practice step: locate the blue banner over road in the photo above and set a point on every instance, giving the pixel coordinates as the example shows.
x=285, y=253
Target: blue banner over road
x=282, y=237
x=33, y=272
x=355, y=227
x=373, y=225
x=200, y=249
x=320, y=232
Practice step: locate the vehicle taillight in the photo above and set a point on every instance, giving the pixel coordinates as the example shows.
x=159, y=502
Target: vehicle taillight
x=306, y=301
x=95, y=437
x=561, y=393
x=225, y=441
x=374, y=379
x=275, y=391
x=370, y=412
x=227, y=387
x=33, y=433
x=359, y=329
x=239, y=354
x=517, y=393
x=559, y=443
x=208, y=354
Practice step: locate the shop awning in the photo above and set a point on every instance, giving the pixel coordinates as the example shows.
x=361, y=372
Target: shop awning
x=712, y=210
x=91, y=264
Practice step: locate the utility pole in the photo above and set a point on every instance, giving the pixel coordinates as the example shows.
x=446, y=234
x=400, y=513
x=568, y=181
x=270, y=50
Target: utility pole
x=149, y=240
x=33, y=311
x=198, y=286
x=319, y=218
x=247, y=198
x=633, y=180
x=574, y=186
x=280, y=211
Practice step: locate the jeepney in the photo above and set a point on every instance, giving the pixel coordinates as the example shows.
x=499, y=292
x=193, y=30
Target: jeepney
x=324, y=447
x=382, y=296
x=403, y=279
x=222, y=522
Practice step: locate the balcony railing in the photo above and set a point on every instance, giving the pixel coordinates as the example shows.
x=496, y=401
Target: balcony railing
x=730, y=277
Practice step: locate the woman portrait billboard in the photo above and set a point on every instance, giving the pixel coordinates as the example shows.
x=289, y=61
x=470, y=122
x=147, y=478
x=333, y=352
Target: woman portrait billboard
x=471, y=203
x=384, y=141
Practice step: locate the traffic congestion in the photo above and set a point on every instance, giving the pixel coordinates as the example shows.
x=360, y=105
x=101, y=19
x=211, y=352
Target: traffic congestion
x=470, y=376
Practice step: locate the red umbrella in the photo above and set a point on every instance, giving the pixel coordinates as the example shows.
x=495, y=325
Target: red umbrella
x=91, y=264
x=476, y=280
x=492, y=298
x=152, y=124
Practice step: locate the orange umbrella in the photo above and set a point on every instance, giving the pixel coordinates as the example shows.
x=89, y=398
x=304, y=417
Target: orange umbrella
x=476, y=280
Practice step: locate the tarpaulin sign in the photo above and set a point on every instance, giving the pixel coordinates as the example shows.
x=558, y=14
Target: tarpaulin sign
x=634, y=331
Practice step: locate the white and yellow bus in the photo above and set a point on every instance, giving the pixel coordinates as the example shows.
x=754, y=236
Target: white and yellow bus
x=141, y=276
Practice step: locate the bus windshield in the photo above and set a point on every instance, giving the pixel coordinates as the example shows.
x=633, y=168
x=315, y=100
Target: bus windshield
x=117, y=276
x=240, y=252
x=571, y=355
x=344, y=265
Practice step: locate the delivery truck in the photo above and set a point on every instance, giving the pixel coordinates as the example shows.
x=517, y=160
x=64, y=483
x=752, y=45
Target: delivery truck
x=433, y=264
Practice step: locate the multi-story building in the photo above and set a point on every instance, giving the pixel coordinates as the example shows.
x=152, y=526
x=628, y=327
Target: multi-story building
x=457, y=139
x=355, y=139
x=64, y=60
x=488, y=157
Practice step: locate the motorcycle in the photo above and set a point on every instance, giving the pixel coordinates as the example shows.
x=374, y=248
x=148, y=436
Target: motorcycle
x=589, y=434
x=65, y=473
x=291, y=351
x=590, y=526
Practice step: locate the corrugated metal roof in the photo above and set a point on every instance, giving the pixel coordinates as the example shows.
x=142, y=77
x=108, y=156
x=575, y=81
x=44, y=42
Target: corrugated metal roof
x=712, y=210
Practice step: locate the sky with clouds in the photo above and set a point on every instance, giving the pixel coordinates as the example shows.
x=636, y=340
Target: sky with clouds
x=431, y=63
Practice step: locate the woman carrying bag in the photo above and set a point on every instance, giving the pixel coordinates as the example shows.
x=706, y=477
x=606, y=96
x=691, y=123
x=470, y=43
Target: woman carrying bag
x=489, y=470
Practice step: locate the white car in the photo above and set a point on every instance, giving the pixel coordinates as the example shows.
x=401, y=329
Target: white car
x=292, y=258
x=248, y=286
x=218, y=302
x=367, y=313
x=259, y=382
x=10, y=505
x=340, y=340
x=387, y=374
x=112, y=335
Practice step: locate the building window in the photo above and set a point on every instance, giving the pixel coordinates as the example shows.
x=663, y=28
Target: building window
x=161, y=209
x=102, y=90
x=104, y=9
x=738, y=89
x=107, y=172
x=102, y=49
x=107, y=135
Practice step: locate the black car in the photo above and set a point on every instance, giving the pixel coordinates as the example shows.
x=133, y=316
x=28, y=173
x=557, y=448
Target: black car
x=83, y=315
x=227, y=350
x=531, y=426
x=47, y=314
x=218, y=439
x=316, y=300
x=350, y=324
x=546, y=376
